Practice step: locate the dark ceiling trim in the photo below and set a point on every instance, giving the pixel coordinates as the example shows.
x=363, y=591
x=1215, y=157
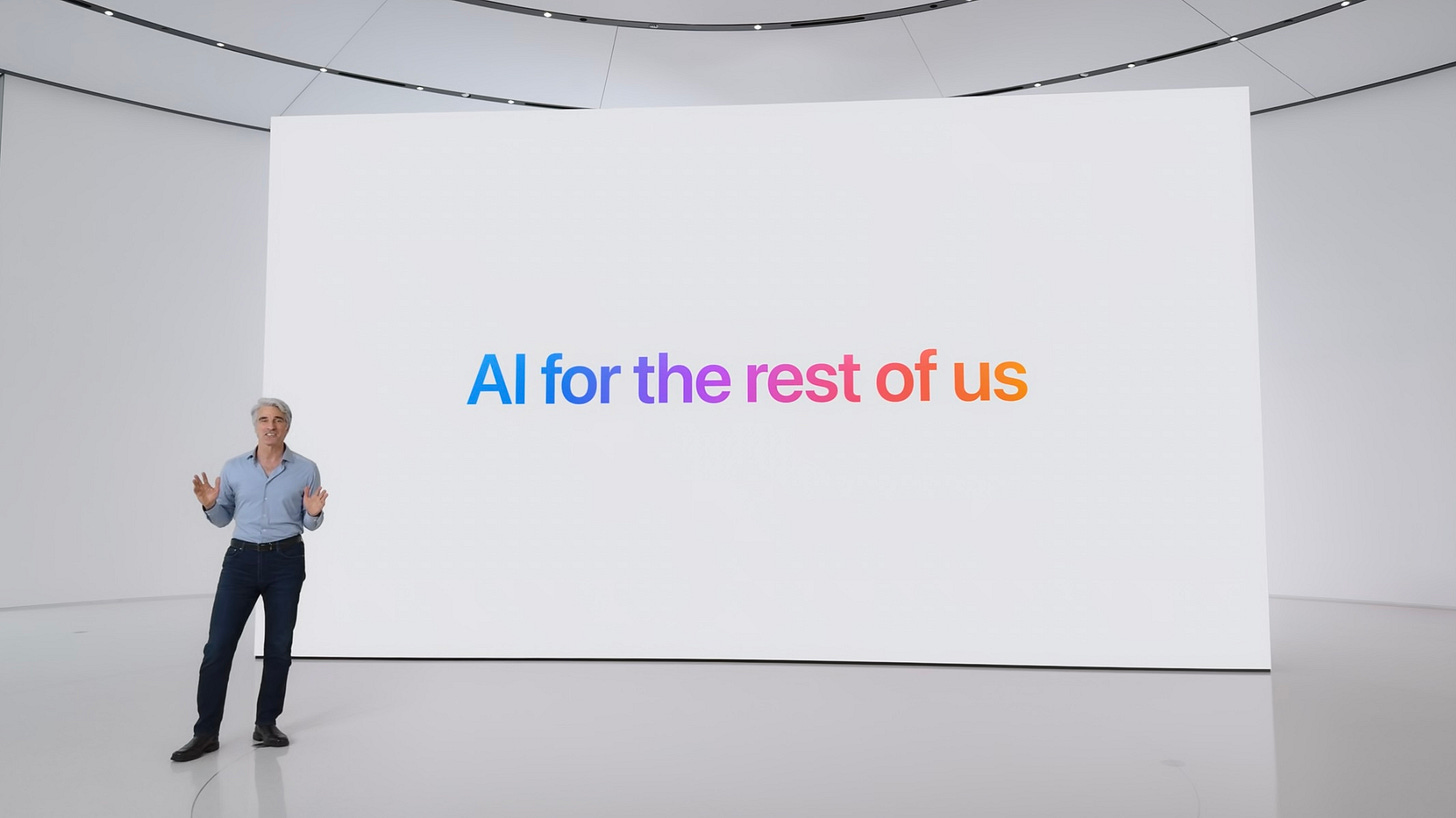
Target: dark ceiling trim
x=1403, y=77
x=455, y=92
x=1126, y=66
x=5, y=72
x=1320, y=12
x=323, y=69
x=755, y=25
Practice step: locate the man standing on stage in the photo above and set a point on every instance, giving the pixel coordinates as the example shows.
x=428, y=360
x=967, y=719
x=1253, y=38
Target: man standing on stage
x=273, y=494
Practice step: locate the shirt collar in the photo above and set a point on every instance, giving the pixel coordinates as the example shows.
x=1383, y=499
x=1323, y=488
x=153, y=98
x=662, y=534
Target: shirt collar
x=287, y=453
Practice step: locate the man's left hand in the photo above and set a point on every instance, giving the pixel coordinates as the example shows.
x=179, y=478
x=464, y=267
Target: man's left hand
x=313, y=501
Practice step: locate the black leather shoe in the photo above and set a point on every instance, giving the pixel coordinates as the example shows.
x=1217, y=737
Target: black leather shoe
x=269, y=735
x=198, y=747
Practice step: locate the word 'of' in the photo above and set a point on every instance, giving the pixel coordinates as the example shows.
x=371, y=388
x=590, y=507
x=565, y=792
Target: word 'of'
x=784, y=383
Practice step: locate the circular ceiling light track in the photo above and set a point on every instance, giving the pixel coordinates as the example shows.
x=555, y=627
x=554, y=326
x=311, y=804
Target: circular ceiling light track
x=322, y=69
x=456, y=92
x=1319, y=12
x=752, y=25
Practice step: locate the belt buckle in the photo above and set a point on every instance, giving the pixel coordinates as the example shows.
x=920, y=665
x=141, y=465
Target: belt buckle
x=268, y=546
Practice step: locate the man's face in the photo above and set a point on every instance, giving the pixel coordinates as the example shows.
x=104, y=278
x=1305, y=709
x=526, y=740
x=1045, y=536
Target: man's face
x=270, y=426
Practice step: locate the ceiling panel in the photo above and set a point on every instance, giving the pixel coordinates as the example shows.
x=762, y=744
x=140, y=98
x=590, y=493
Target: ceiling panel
x=978, y=46
x=330, y=94
x=1222, y=67
x=311, y=31
x=1365, y=43
x=997, y=43
x=1237, y=16
x=66, y=44
x=444, y=44
x=707, y=13
x=874, y=60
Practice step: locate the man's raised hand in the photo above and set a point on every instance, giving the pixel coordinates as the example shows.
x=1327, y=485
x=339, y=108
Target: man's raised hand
x=313, y=501
x=206, y=492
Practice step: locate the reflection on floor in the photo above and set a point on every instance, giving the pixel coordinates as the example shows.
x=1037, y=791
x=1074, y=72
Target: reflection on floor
x=1358, y=718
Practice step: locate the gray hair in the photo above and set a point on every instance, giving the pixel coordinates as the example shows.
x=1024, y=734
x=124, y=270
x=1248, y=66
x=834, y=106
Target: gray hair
x=276, y=404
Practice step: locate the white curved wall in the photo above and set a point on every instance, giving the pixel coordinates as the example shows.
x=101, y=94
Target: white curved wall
x=131, y=292
x=131, y=337
x=1356, y=202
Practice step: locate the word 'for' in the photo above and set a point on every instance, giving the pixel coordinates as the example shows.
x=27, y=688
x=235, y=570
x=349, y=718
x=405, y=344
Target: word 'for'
x=784, y=383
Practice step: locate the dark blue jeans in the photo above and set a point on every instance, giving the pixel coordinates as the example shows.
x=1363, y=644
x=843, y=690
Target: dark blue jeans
x=277, y=576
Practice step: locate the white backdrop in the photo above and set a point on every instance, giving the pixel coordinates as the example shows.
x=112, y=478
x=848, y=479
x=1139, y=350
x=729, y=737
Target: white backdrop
x=1110, y=516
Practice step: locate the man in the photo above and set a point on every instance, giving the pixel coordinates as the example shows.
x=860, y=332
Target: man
x=273, y=494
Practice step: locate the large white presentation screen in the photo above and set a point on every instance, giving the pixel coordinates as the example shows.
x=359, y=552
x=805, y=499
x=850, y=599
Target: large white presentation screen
x=959, y=381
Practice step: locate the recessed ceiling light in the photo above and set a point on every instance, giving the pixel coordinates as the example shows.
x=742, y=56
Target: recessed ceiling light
x=758, y=28
x=1132, y=65
x=547, y=14
x=510, y=102
x=1233, y=39
x=220, y=45
x=419, y=87
x=323, y=70
x=1036, y=85
x=1342, y=5
x=109, y=14
x=465, y=95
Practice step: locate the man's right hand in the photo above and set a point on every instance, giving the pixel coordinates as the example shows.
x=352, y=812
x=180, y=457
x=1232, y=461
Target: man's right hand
x=206, y=492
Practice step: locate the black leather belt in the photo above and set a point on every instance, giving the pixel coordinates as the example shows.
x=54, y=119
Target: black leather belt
x=268, y=546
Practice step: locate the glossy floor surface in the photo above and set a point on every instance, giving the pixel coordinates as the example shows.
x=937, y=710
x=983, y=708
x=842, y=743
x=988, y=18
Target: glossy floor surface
x=1358, y=718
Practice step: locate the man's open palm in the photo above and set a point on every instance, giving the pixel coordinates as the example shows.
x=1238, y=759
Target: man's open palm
x=206, y=492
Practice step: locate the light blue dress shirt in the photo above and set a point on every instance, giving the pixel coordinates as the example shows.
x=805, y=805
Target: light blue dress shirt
x=267, y=507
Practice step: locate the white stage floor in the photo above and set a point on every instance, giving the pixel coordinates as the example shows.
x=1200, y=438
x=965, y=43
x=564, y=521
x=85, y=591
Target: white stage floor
x=1357, y=719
